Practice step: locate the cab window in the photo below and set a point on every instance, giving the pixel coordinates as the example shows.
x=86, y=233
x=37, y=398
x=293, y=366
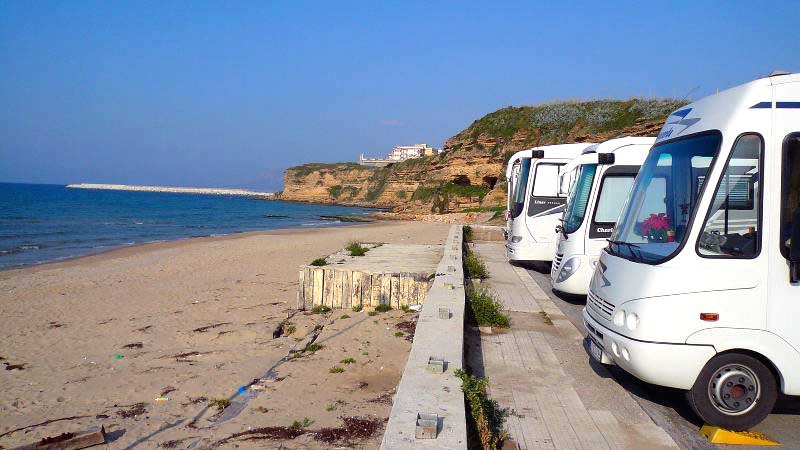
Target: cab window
x=544, y=193
x=546, y=181
x=732, y=228
x=790, y=191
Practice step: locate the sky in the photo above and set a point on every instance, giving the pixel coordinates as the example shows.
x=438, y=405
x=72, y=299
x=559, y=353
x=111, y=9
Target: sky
x=229, y=94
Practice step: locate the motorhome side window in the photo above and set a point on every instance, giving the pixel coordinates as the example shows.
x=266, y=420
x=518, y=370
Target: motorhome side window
x=544, y=193
x=790, y=192
x=732, y=225
x=613, y=194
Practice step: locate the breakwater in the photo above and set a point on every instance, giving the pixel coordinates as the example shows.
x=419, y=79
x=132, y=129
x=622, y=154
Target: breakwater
x=171, y=189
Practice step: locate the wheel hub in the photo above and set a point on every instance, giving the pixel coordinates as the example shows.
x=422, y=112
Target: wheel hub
x=734, y=389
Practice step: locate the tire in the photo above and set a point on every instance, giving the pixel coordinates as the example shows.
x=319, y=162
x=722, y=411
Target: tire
x=733, y=391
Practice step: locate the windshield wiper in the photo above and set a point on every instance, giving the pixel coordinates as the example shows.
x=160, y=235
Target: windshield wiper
x=639, y=257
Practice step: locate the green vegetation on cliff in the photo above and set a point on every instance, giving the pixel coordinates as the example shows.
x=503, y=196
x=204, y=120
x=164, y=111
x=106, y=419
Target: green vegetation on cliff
x=553, y=122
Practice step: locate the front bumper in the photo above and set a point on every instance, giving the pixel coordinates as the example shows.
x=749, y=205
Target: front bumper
x=530, y=251
x=671, y=365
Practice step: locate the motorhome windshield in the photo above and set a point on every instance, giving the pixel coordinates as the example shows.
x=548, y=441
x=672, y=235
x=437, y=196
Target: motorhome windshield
x=663, y=199
x=579, y=198
x=521, y=187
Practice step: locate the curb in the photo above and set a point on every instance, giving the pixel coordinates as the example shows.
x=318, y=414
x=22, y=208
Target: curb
x=422, y=390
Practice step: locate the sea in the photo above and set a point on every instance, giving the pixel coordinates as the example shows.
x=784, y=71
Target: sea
x=42, y=223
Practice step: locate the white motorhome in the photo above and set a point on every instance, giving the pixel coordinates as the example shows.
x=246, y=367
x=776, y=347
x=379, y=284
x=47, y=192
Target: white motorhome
x=698, y=288
x=536, y=203
x=601, y=180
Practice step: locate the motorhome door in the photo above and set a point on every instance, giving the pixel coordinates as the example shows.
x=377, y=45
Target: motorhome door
x=784, y=295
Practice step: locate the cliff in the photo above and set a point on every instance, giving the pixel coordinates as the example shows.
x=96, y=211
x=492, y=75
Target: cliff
x=469, y=174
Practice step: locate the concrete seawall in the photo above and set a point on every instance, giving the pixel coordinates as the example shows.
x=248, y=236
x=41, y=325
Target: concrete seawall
x=171, y=189
x=439, y=334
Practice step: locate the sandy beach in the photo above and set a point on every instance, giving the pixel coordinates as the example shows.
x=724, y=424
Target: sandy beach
x=143, y=339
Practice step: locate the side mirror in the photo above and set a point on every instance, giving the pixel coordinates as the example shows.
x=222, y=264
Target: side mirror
x=794, y=248
x=560, y=230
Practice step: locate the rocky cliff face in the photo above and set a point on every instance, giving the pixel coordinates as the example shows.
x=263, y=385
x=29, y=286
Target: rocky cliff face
x=469, y=174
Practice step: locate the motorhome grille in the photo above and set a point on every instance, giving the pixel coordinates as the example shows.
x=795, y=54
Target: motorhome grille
x=601, y=306
x=556, y=263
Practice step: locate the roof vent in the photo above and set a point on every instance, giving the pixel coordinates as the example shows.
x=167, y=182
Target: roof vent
x=778, y=73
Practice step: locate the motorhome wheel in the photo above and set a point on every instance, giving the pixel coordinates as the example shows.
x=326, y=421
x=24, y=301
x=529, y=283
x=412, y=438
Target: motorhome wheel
x=733, y=391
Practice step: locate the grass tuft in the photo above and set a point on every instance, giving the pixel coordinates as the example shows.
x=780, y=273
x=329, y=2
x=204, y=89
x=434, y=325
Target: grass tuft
x=473, y=265
x=219, y=403
x=347, y=361
x=383, y=308
x=314, y=347
x=336, y=369
x=357, y=308
x=356, y=249
x=486, y=418
x=467, y=233
x=319, y=262
x=298, y=425
x=485, y=309
x=320, y=309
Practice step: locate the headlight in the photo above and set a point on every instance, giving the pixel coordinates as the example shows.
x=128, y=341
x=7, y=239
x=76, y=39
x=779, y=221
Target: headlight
x=632, y=321
x=619, y=318
x=569, y=267
x=516, y=239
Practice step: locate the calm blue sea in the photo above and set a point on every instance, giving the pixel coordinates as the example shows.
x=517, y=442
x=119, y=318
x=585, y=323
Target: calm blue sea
x=41, y=223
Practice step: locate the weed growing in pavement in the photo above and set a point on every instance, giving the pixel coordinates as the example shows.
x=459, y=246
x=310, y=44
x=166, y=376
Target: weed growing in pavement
x=348, y=361
x=335, y=369
x=356, y=249
x=319, y=262
x=486, y=418
x=473, y=265
x=485, y=309
x=546, y=318
x=467, y=233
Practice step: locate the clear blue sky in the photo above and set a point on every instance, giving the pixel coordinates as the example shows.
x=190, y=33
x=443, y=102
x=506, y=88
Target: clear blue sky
x=230, y=93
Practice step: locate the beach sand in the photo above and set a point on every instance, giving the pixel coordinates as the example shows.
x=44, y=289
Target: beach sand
x=102, y=337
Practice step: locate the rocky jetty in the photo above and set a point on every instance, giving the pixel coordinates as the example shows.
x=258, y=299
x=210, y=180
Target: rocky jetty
x=172, y=189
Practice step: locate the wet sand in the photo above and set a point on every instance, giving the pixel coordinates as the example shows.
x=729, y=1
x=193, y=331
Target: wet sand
x=98, y=339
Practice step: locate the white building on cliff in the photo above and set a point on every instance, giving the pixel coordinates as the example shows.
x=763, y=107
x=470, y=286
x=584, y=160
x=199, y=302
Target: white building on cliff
x=400, y=153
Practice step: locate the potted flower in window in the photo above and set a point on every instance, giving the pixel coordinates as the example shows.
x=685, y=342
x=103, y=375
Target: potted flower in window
x=656, y=228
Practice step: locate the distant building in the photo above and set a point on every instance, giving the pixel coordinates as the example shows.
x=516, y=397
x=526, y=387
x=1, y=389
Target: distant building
x=400, y=153
x=404, y=152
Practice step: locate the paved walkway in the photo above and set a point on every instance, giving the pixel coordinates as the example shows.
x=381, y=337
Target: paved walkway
x=541, y=370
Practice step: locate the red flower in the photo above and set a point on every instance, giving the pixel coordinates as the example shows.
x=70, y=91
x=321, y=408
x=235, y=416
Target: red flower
x=656, y=223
